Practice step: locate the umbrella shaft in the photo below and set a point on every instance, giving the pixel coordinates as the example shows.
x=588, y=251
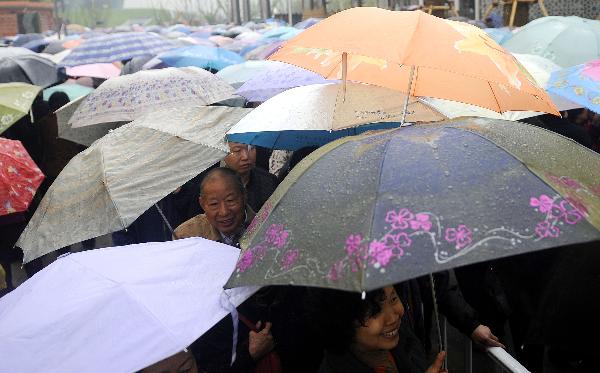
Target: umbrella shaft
x=410, y=80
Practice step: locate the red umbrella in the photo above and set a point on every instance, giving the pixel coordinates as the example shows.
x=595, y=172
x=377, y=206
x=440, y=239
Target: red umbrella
x=19, y=177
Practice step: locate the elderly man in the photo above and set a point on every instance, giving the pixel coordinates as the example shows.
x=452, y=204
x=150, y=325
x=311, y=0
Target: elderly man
x=226, y=215
x=259, y=183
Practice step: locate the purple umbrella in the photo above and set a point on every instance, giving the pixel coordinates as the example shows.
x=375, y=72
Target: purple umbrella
x=273, y=81
x=264, y=51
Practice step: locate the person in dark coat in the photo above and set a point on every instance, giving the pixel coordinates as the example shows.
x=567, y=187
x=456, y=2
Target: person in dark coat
x=369, y=335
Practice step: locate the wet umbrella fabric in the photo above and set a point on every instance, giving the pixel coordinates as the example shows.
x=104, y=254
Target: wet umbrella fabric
x=316, y=114
x=71, y=89
x=117, y=47
x=31, y=69
x=109, y=185
x=394, y=205
x=117, y=309
x=267, y=84
x=19, y=177
x=418, y=54
x=579, y=84
x=14, y=51
x=127, y=97
x=201, y=56
x=554, y=38
x=15, y=102
x=238, y=74
x=95, y=70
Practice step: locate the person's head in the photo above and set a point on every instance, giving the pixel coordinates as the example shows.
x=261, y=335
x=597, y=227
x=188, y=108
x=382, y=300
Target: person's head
x=241, y=158
x=223, y=199
x=348, y=323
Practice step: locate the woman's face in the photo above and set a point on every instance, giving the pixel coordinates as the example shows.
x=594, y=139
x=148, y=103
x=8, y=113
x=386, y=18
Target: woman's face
x=380, y=332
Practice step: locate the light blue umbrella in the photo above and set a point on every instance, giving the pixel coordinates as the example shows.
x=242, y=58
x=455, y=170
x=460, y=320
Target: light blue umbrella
x=580, y=84
x=73, y=91
x=277, y=32
x=117, y=47
x=200, y=56
x=566, y=41
x=500, y=35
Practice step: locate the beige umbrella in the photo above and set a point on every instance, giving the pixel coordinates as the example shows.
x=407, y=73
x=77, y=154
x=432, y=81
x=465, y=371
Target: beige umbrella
x=126, y=98
x=81, y=135
x=106, y=187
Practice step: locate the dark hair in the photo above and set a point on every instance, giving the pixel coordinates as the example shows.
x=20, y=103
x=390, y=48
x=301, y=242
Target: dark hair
x=226, y=173
x=337, y=314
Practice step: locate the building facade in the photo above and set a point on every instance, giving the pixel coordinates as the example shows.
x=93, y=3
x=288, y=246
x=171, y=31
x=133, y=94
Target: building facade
x=21, y=17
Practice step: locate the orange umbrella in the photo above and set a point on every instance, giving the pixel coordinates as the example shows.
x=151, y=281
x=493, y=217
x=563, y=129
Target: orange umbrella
x=417, y=53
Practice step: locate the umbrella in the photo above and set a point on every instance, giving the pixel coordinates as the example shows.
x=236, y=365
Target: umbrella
x=238, y=74
x=579, y=84
x=109, y=185
x=30, y=69
x=117, y=47
x=307, y=23
x=264, y=51
x=117, y=309
x=135, y=64
x=22, y=39
x=56, y=58
x=54, y=47
x=36, y=45
x=416, y=53
x=126, y=97
x=71, y=89
x=389, y=206
x=220, y=40
x=314, y=115
x=14, y=51
x=500, y=35
x=95, y=70
x=201, y=56
x=275, y=80
x=555, y=38
x=19, y=177
x=277, y=32
x=15, y=102
x=80, y=135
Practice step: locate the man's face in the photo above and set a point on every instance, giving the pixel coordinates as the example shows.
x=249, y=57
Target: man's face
x=241, y=157
x=223, y=205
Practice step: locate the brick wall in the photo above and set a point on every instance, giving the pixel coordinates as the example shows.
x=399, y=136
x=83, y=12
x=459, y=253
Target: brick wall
x=8, y=24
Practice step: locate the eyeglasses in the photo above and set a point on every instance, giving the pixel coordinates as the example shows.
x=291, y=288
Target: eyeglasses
x=237, y=152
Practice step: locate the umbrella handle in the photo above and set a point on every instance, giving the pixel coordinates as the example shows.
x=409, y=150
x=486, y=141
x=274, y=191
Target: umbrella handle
x=437, y=318
x=165, y=219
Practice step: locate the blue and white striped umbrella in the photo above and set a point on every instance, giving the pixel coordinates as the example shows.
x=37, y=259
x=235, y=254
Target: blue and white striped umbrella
x=117, y=47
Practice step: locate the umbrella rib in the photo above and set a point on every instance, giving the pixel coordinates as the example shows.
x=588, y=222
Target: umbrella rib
x=373, y=209
x=103, y=170
x=495, y=98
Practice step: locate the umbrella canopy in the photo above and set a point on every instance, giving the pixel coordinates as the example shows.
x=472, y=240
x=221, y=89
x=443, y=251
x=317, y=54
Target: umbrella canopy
x=555, y=38
x=117, y=309
x=579, y=84
x=127, y=97
x=389, y=206
x=117, y=47
x=500, y=35
x=418, y=54
x=36, y=45
x=22, y=39
x=109, y=185
x=135, y=64
x=220, y=40
x=95, y=70
x=238, y=74
x=19, y=177
x=263, y=51
x=313, y=115
x=54, y=47
x=30, y=69
x=80, y=135
x=201, y=56
x=15, y=102
x=307, y=23
x=14, y=51
x=271, y=82
x=71, y=89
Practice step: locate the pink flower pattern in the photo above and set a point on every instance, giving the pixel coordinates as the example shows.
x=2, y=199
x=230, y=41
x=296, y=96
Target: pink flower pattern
x=245, y=261
x=547, y=229
x=421, y=222
x=379, y=253
x=289, y=258
x=461, y=236
x=277, y=236
x=400, y=219
x=544, y=203
x=397, y=243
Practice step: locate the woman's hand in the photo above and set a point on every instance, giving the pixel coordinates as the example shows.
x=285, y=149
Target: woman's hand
x=260, y=343
x=436, y=367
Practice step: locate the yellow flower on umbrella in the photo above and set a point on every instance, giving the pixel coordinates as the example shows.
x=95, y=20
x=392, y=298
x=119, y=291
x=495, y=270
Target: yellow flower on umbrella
x=579, y=91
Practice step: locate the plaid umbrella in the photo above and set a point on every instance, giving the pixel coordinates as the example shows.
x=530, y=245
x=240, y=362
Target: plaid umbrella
x=117, y=47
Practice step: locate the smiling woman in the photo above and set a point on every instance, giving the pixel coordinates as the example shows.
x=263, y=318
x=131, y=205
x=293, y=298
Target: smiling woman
x=366, y=335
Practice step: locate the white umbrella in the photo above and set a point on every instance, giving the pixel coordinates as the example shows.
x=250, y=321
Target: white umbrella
x=106, y=187
x=236, y=75
x=117, y=309
x=314, y=111
x=127, y=97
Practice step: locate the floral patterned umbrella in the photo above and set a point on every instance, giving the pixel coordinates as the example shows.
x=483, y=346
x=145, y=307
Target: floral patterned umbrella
x=127, y=97
x=19, y=177
x=15, y=102
x=376, y=209
x=580, y=84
